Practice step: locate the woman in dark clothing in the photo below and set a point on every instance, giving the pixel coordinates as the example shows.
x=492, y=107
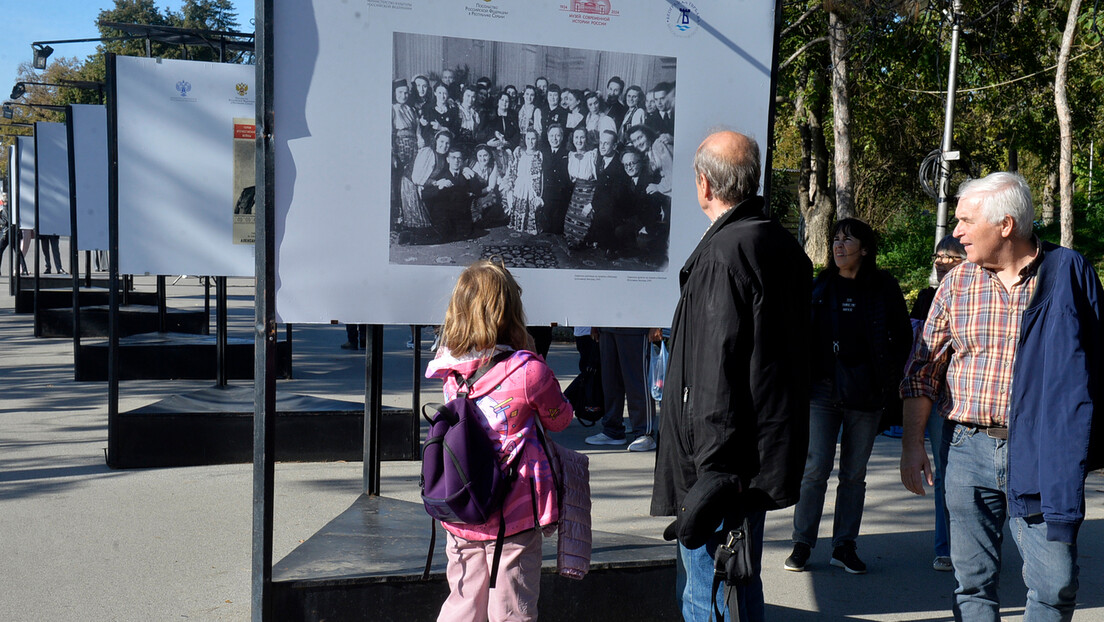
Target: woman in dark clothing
x=501, y=129
x=443, y=116
x=860, y=338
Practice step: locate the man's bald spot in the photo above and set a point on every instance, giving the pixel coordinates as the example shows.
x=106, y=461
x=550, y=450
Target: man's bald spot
x=728, y=146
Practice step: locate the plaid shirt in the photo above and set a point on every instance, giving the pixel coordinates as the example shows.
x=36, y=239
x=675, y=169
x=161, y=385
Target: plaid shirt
x=969, y=344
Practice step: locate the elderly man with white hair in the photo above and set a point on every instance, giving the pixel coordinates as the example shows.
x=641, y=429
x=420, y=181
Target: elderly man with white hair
x=1014, y=338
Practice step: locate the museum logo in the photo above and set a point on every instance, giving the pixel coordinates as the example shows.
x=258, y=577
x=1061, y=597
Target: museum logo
x=593, y=12
x=182, y=89
x=683, y=19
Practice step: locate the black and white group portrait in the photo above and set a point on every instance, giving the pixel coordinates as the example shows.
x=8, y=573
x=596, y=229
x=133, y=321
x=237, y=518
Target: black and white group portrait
x=545, y=157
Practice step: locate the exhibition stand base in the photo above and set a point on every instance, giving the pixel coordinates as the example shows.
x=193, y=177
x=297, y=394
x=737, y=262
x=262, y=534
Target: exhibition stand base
x=60, y=296
x=133, y=320
x=367, y=564
x=175, y=356
x=215, y=426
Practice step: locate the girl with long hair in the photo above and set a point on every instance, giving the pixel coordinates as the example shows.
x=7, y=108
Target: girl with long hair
x=516, y=395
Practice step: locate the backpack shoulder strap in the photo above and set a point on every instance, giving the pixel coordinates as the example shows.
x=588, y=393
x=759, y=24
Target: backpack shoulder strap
x=465, y=385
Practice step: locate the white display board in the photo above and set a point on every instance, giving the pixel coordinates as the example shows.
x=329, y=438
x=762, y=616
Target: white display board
x=175, y=141
x=52, y=168
x=25, y=179
x=88, y=128
x=345, y=250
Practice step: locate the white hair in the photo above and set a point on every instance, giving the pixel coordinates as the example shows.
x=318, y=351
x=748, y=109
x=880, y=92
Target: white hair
x=1002, y=194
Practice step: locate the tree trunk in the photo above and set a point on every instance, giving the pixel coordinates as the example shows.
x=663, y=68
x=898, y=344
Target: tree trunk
x=816, y=203
x=1013, y=158
x=841, y=115
x=1049, y=191
x=1065, y=125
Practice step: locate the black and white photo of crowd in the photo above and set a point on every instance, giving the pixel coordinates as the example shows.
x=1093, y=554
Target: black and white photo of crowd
x=542, y=156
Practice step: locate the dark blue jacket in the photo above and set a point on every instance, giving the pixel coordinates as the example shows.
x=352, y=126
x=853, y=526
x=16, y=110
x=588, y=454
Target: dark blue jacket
x=1055, y=434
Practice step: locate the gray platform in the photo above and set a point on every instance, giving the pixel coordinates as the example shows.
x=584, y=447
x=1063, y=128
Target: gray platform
x=367, y=564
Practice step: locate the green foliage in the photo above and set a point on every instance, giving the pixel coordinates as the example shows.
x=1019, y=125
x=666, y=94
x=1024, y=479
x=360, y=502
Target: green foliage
x=906, y=248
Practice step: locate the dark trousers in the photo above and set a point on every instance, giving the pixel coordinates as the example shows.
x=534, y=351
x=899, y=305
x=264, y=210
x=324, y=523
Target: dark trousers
x=624, y=353
x=353, y=330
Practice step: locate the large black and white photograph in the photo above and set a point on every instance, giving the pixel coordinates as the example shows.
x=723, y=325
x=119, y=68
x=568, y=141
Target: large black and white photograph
x=544, y=157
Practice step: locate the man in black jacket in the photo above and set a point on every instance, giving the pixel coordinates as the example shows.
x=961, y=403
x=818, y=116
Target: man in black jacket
x=737, y=385
x=449, y=199
x=557, y=182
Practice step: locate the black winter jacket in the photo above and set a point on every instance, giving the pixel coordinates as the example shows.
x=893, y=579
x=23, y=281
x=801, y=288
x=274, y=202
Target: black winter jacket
x=737, y=385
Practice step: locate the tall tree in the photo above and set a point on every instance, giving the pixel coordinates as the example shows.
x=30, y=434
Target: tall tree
x=1062, y=107
x=838, y=45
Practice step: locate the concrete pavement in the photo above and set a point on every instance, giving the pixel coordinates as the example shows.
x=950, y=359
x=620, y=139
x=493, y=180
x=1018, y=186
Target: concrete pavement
x=79, y=541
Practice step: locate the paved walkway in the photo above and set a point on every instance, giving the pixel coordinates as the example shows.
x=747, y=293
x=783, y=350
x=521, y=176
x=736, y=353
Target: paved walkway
x=79, y=541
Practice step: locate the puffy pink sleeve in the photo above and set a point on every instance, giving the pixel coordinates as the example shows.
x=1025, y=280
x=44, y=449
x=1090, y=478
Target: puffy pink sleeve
x=542, y=391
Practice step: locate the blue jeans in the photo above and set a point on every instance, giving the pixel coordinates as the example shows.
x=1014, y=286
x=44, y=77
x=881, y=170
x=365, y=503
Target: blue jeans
x=976, y=480
x=694, y=584
x=859, y=429
x=936, y=425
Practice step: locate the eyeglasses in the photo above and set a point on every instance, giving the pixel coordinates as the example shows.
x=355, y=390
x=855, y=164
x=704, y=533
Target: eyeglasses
x=937, y=258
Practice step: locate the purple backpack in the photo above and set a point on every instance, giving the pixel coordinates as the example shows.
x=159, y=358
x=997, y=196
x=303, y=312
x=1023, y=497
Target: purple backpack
x=462, y=480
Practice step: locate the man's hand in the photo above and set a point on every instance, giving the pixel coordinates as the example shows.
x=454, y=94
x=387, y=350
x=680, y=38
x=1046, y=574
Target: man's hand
x=914, y=466
x=655, y=335
x=914, y=458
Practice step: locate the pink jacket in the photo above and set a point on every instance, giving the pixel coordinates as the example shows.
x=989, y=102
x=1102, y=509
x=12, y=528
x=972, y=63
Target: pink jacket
x=510, y=395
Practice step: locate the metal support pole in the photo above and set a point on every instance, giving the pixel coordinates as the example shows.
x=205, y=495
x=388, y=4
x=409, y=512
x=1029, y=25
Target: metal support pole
x=73, y=243
x=373, y=408
x=207, y=304
x=220, y=329
x=37, y=330
x=264, y=338
x=113, y=264
x=162, y=305
x=946, y=155
x=416, y=396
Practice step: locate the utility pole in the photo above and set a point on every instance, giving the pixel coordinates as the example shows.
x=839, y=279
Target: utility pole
x=946, y=156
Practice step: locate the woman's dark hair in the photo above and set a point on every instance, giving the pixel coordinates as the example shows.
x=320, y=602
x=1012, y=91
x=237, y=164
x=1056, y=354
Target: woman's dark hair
x=951, y=245
x=868, y=241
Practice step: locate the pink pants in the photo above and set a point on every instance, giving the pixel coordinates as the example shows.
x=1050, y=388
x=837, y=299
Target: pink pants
x=514, y=597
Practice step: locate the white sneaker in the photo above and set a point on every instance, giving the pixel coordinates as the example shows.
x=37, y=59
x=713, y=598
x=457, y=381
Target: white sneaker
x=644, y=442
x=601, y=439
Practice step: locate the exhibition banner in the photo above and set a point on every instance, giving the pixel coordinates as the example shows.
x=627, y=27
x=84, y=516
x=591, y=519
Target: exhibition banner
x=88, y=136
x=52, y=167
x=25, y=178
x=417, y=136
x=175, y=145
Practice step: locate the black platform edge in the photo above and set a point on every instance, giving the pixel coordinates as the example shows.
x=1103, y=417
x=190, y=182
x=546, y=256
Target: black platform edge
x=215, y=426
x=62, y=297
x=367, y=564
x=133, y=320
x=175, y=356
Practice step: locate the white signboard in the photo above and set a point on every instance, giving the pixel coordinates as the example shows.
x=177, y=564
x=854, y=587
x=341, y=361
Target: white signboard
x=25, y=193
x=88, y=127
x=52, y=167
x=377, y=211
x=175, y=144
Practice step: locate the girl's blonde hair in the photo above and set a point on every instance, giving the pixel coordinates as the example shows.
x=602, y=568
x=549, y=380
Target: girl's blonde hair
x=485, y=310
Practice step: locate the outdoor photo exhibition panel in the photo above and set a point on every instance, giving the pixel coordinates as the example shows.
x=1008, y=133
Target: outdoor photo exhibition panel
x=88, y=127
x=52, y=161
x=359, y=238
x=177, y=198
x=25, y=180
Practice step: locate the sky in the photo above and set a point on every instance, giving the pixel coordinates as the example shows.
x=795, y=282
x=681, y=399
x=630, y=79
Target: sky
x=25, y=21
